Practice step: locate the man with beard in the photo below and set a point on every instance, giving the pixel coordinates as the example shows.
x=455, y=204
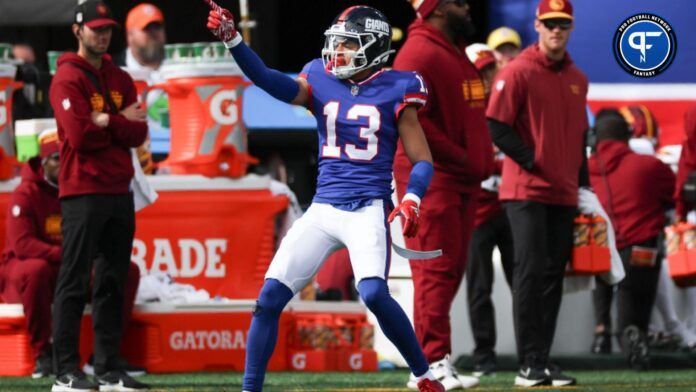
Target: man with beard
x=146, y=37
x=454, y=123
x=99, y=121
x=537, y=117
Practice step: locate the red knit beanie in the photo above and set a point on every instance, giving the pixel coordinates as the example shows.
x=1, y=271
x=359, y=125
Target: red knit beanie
x=424, y=7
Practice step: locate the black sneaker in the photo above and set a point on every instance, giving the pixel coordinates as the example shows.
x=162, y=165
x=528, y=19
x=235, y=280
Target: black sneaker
x=122, y=364
x=486, y=368
x=119, y=381
x=601, y=343
x=73, y=382
x=635, y=346
x=531, y=377
x=559, y=379
x=43, y=367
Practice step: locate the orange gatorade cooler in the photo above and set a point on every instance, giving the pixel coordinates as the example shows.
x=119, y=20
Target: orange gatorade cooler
x=168, y=338
x=7, y=87
x=591, y=254
x=16, y=358
x=216, y=234
x=681, y=253
x=207, y=133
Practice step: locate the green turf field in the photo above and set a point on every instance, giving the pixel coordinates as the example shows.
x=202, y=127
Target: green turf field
x=613, y=380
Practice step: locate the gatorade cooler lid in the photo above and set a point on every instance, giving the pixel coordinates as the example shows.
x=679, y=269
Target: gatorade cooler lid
x=200, y=70
x=138, y=74
x=34, y=126
x=196, y=182
x=7, y=71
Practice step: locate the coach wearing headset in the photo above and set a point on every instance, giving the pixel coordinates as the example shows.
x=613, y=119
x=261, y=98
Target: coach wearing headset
x=635, y=190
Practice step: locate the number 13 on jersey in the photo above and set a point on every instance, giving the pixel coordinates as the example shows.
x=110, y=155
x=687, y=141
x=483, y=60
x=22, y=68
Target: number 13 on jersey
x=369, y=133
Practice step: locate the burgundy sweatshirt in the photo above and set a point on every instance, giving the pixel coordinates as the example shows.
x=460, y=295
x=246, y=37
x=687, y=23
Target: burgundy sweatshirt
x=634, y=189
x=94, y=160
x=454, y=119
x=33, y=218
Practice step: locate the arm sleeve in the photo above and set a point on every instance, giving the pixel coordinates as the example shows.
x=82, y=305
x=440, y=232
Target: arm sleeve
x=510, y=143
x=23, y=233
x=421, y=175
x=124, y=132
x=74, y=115
x=275, y=83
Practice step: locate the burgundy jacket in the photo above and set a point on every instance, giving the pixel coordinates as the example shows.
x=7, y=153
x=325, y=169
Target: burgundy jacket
x=635, y=190
x=33, y=218
x=94, y=160
x=687, y=160
x=454, y=120
x=544, y=101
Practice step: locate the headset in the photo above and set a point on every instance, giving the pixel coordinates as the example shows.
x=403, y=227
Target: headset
x=603, y=115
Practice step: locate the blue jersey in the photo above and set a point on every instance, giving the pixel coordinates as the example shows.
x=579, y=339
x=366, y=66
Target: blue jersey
x=358, y=132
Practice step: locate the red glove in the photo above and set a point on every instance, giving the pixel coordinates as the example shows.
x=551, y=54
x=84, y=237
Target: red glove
x=221, y=24
x=408, y=209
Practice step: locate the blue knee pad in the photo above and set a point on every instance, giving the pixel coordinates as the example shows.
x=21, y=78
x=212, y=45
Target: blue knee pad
x=374, y=292
x=272, y=299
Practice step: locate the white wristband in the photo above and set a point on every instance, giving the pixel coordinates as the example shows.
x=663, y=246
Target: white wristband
x=234, y=41
x=413, y=197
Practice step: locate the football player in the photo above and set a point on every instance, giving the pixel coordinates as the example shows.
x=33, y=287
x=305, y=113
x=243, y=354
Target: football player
x=361, y=111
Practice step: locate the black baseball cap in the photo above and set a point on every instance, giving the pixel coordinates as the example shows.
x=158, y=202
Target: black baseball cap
x=94, y=14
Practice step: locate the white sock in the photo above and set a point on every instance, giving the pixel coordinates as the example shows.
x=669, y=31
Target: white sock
x=428, y=375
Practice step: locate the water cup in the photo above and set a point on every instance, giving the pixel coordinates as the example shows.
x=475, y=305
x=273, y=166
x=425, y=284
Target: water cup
x=53, y=60
x=203, y=51
x=5, y=52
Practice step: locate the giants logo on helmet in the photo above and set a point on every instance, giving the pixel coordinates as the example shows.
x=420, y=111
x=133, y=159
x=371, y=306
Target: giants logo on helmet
x=195, y=257
x=377, y=26
x=208, y=340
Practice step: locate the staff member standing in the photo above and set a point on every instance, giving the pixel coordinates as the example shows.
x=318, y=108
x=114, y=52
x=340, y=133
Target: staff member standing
x=454, y=123
x=492, y=230
x=537, y=117
x=98, y=122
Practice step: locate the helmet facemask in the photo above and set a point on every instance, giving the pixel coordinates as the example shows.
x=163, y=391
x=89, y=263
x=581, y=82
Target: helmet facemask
x=335, y=59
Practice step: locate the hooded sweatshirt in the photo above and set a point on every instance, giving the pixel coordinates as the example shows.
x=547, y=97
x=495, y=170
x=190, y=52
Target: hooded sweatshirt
x=687, y=161
x=544, y=101
x=94, y=160
x=453, y=120
x=634, y=189
x=33, y=218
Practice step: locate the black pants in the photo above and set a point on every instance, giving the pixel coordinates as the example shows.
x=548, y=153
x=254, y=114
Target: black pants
x=479, y=281
x=92, y=225
x=543, y=238
x=635, y=293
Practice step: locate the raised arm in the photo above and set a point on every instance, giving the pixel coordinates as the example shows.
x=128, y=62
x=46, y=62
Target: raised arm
x=275, y=83
x=416, y=148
